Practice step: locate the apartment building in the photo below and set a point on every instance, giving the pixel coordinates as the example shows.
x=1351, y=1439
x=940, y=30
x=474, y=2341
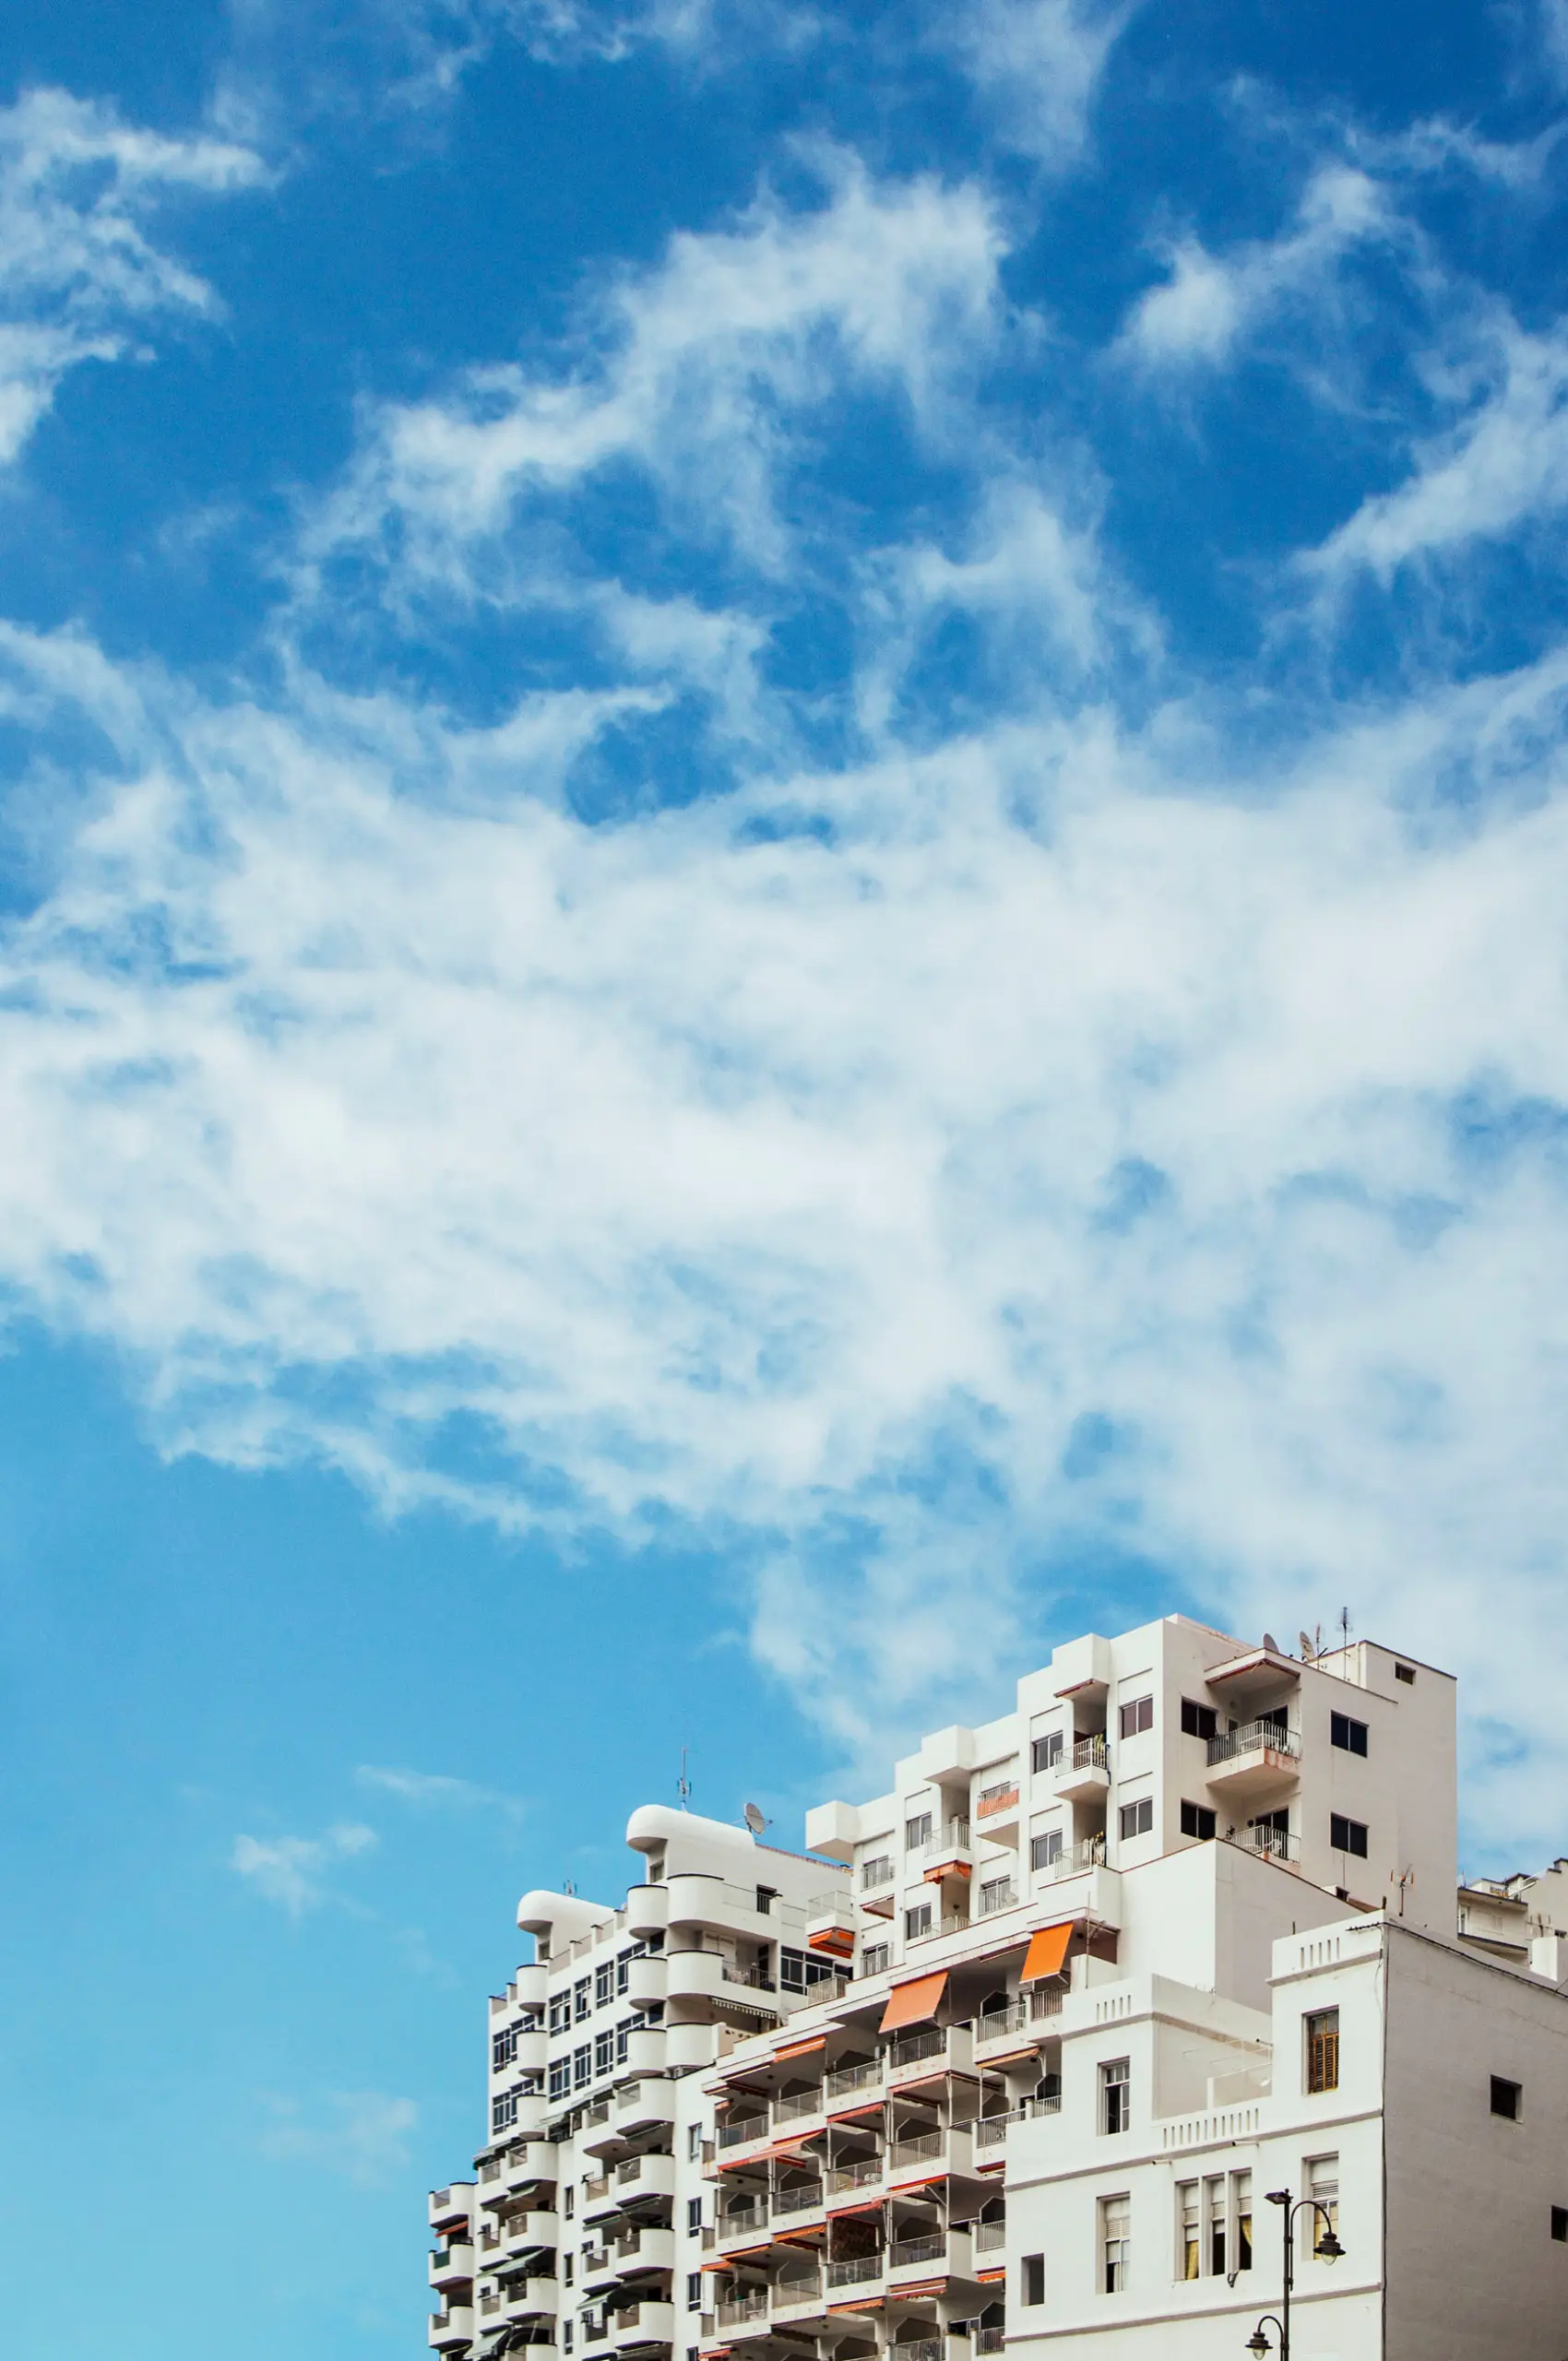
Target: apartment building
x=1025, y=2050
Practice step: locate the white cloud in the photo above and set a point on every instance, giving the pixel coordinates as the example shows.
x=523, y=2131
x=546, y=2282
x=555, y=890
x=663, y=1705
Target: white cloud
x=438, y=1790
x=360, y=2135
x=292, y=1870
x=1209, y=301
x=1036, y=64
x=79, y=273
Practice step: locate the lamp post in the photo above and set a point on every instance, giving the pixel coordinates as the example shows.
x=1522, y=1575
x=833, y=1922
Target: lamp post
x=1327, y=2247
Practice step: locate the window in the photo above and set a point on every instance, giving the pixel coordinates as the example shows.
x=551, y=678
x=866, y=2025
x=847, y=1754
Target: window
x=565, y=2336
x=791, y=1970
x=624, y=1970
x=1507, y=2099
x=1322, y=2188
x=623, y=2032
x=693, y=2291
x=766, y=1896
x=581, y=1993
x=1242, y=2199
x=877, y=1872
x=1198, y=1820
x=694, y=2215
x=560, y=2012
x=1033, y=2277
x=1189, y=2250
x=1215, y=2224
x=603, y=1983
x=917, y=1832
x=1347, y=1835
x=582, y=2067
x=560, y=2077
x=1045, y=1851
x=504, y=2112
x=875, y=1958
x=1045, y=1753
x=1137, y=1714
x=1323, y=2049
x=1116, y=2095
x=1137, y=1818
x=502, y=2048
x=1115, y=2245
x=1198, y=1721
x=1560, y=2224
x=571, y=2196
x=916, y=1922
x=1350, y=1735
x=567, y=2267
x=1407, y=1673
x=604, y=2053
x=693, y=2141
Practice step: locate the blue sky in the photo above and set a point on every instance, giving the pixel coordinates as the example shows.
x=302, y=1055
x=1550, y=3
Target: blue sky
x=782, y=845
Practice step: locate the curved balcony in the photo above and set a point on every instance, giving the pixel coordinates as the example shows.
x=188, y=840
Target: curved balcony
x=450, y=2328
x=454, y=2266
x=689, y=2046
x=601, y=2198
x=531, y=2161
x=644, y=2050
x=450, y=2206
x=600, y=2268
x=645, y=1981
x=648, y=1911
x=697, y=1899
x=640, y=2325
x=643, y=2106
x=646, y=2176
x=530, y=2299
x=647, y=2248
x=531, y=2229
x=693, y=1974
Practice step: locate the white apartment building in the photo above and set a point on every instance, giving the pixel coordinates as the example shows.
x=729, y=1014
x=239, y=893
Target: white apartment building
x=1024, y=2056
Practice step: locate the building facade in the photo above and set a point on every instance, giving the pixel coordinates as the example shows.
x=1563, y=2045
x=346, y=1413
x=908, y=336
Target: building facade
x=1023, y=2051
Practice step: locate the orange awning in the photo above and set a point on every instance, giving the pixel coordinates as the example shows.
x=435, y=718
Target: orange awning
x=1048, y=1951
x=915, y=2003
x=801, y=2049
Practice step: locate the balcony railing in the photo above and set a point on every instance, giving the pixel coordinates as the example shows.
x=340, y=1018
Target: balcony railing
x=991, y=1800
x=736, y=2134
x=915, y=2046
x=634, y=2167
x=997, y=1894
x=991, y=2129
x=989, y=2236
x=874, y=1875
x=798, y=2200
x=1087, y=1754
x=749, y=2307
x=952, y=1837
x=598, y=2113
x=742, y=2219
x=1251, y=1738
x=990, y=2340
x=846, y=2079
x=597, y=2186
x=1278, y=1842
x=1089, y=1855
x=757, y=1978
x=931, y=2248
x=856, y=2270
x=919, y=2150
x=861, y=2175
x=917, y=2348
x=804, y=2289
x=795, y=2104
x=952, y=1922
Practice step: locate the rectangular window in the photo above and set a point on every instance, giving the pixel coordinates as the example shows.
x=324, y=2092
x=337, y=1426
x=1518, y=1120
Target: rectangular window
x=917, y=1921
x=1189, y=2248
x=1242, y=2202
x=878, y=1873
x=560, y=2077
x=623, y=2032
x=1347, y=1734
x=1116, y=2095
x=571, y=2196
x=766, y=1896
x=582, y=1997
x=1045, y=1753
x=1347, y=1835
x=917, y=1832
x=693, y=2291
x=1198, y=1820
x=604, y=2053
x=1322, y=2188
x=875, y=1958
x=1045, y=1851
x=1323, y=2049
x=567, y=2266
x=565, y=2336
x=1198, y=1721
x=1560, y=2224
x=1507, y=2099
x=502, y=2048
x=791, y=1970
x=560, y=2012
x=603, y=1983
x=1215, y=2225
x=504, y=2112
x=1033, y=2277
x=582, y=2067
x=1137, y=1714
x=694, y=2215
x=1407, y=1673
x=624, y=1970
x=1115, y=2243
x=1137, y=1818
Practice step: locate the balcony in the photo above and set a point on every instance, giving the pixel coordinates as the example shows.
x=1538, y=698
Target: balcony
x=648, y=1911
x=879, y=1884
x=922, y=2258
x=449, y=2207
x=643, y=2106
x=1019, y=2018
x=601, y=2270
x=1262, y=1759
x=688, y=2047
x=745, y=2311
x=990, y=2132
x=639, y=2324
x=1084, y=1773
x=915, y=2153
x=794, y=2298
x=534, y=2228
x=860, y=2270
x=453, y=2265
x=997, y=1807
x=858, y=2083
x=529, y=2161
x=1079, y=1859
x=843, y=2179
x=806, y=2196
x=450, y=2328
x=601, y=2135
x=645, y=1981
x=741, y=2132
x=534, y=2298
x=647, y=2248
x=997, y=1894
x=798, y=2107
x=990, y=2237
x=949, y=1848
x=647, y=2176
x=831, y=1925
x=935, y=2049
x=601, y=2198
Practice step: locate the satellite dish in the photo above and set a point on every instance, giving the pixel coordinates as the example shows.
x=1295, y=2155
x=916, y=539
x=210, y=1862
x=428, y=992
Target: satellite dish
x=754, y=1818
x=1308, y=1651
x=1271, y=1645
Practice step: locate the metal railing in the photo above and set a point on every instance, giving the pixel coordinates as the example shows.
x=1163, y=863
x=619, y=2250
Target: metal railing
x=861, y=2175
x=914, y=2045
x=757, y=1979
x=991, y=1800
x=990, y=2340
x=1089, y=1855
x=997, y=1894
x=845, y=2079
x=952, y=1922
x=916, y=2151
x=856, y=2270
x=795, y=2104
x=931, y=2248
x=750, y=2307
x=989, y=2236
x=598, y=2113
x=804, y=2289
x=991, y=2129
x=748, y=2127
x=997, y=2022
x=1088, y=1754
x=741, y=2220
x=798, y=2200
x=875, y=1874
x=1278, y=1842
x=1251, y=1738
x=917, y=2348
x=952, y=1837
x=490, y=2303
x=599, y=2185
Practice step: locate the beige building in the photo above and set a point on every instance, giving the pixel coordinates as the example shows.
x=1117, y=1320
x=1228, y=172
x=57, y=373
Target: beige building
x=1023, y=2054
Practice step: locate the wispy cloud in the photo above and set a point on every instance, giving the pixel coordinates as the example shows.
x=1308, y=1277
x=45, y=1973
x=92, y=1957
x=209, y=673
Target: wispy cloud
x=428, y=1790
x=361, y=2136
x=293, y=1870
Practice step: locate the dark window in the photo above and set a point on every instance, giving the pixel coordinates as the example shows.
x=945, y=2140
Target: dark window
x=1046, y=1849
x=1137, y=1818
x=604, y=2052
x=604, y=1984
x=693, y=2291
x=582, y=2066
x=791, y=1970
x=1350, y=1735
x=1347, y=1835
x=1198, y=1820
x=504, y=2112
x=1505, y=2098
x=624, y=2039
x=766, y=1896
x=582, y=1996
x=560, y=2012
x=874, y=1957
x=917, y=1921
x=917, y=1832
x=502, y=2048
x=1323, y=2049
x=1198, y=1721
x=693, y=2213
x=1137, y=1716
x=1407, y=1673
x=570, y=2205
x=1116, y=2095
x=624, y=1970
x=1046, y=1753
x=560, y=2077
x=1560, y=2223
x=1034, y=2278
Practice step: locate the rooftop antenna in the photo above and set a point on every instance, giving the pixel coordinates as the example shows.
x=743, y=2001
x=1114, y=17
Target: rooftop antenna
x=568, y=1885
x=1308, y=1651
x=755, y=1820
x=682, y=1784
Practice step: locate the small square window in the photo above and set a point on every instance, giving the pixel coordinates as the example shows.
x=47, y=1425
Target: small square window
x=1347, y=1835
x=1136, y=1715
x=1347, y=1734
x=916, y=1922
x=1507, y=2098
x=1560, y=2224
x=1045, y=1851
x=875, y=1958
x=1323, y=2049
x=1045, y=1753
x=1137, y=1820
x=1407, y=1673
x=1198, y=1721
x=1116, y=2095
x=1198, y=1820
x=1034, y=2278
x=917, y=1832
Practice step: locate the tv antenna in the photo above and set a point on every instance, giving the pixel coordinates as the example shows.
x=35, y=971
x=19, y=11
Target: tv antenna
x=682, y=1784
x=756, y=1819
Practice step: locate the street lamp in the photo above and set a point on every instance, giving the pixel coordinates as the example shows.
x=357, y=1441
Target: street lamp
x=1326, y=2248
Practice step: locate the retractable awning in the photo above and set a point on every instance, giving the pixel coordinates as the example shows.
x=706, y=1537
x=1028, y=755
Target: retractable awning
x=1048, y=1951
x=914, y=2003
x=800, y=2049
